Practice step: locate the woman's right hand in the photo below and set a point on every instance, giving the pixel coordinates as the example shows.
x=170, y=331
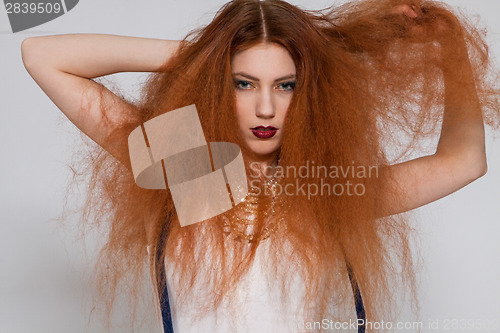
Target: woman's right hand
x=64, y=66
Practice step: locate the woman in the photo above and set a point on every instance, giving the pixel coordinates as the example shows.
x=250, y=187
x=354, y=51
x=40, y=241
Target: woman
x=296, y=90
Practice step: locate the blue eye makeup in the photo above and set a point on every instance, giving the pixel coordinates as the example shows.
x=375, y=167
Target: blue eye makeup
x=287, y=86
x=242, y=84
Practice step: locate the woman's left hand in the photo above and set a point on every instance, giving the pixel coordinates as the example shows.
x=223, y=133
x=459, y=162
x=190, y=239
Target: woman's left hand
x=430, y=25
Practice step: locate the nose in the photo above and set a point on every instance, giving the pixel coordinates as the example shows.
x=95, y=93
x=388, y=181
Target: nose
x=265, y=106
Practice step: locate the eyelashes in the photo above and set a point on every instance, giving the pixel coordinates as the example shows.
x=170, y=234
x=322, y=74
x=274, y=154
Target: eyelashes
x=245, y=85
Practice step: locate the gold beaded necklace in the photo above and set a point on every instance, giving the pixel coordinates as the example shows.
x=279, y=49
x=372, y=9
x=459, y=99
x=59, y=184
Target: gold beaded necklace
x=241, y=221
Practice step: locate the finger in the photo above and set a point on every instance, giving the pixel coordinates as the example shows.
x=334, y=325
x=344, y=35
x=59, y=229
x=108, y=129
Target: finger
x=406, y=10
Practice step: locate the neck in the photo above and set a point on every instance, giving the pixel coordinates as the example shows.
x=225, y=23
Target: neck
x=263, y=167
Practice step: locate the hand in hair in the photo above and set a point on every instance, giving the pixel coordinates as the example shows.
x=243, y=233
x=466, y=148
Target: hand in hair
x=460, y=154
x=429, y=24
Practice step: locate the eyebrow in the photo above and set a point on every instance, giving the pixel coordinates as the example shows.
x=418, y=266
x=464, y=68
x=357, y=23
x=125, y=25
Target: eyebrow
x=248, y=76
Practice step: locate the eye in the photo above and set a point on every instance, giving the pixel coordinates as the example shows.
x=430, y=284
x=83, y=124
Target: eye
x=242, y=84
x=287, y=86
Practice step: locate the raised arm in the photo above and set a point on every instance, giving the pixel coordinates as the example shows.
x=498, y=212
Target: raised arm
x=460, y=156
x=64, y=66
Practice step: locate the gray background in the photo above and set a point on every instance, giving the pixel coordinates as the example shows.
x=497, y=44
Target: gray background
x=44, y=269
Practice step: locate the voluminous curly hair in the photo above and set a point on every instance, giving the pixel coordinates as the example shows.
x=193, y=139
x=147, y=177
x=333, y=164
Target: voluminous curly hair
x=366, y=78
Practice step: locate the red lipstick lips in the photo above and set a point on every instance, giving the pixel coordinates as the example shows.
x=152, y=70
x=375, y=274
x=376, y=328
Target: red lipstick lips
x=263, y=132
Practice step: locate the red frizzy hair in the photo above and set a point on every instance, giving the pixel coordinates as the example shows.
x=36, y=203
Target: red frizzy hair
x=366, y=78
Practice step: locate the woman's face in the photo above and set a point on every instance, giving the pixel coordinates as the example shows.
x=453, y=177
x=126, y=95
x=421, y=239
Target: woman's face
x=264, y=79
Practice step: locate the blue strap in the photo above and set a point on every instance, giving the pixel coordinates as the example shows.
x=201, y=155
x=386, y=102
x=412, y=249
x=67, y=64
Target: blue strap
x=165, y=312
x=162, y=284
x=358, y=300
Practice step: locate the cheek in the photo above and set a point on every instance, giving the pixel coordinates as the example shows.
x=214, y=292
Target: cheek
x=242, y=112
x=283, y=110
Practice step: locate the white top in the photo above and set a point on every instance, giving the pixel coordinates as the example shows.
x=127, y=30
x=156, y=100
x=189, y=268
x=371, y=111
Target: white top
x=260, y=311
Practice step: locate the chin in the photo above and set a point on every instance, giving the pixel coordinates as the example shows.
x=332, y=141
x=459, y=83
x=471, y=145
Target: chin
x=263, y=149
